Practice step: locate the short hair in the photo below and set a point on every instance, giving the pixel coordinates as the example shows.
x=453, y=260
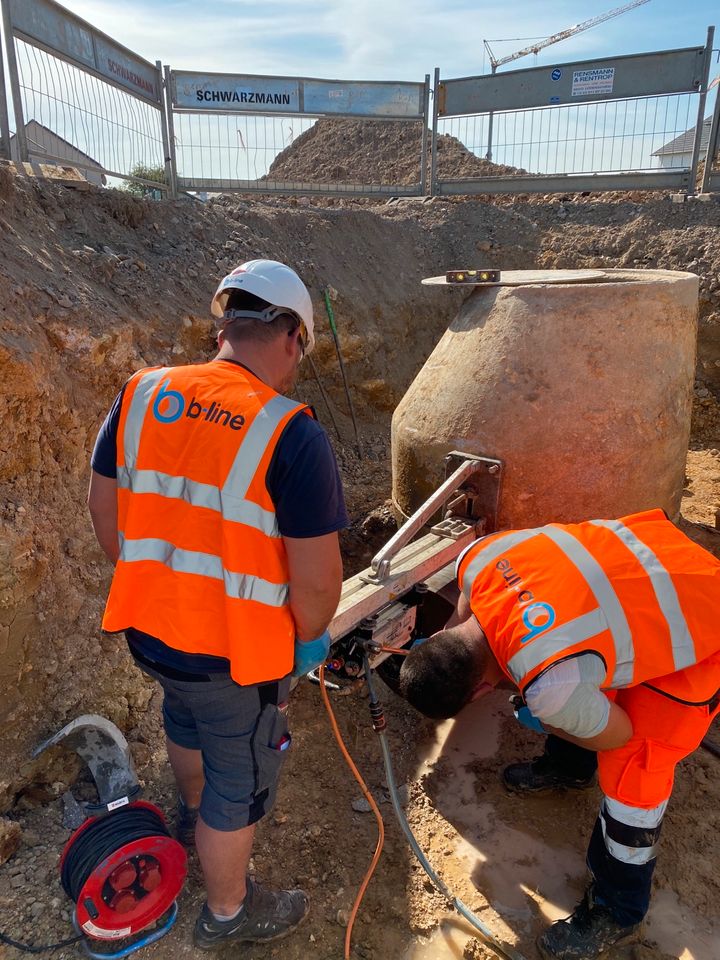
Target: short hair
x=245, y=329
x=440, y=676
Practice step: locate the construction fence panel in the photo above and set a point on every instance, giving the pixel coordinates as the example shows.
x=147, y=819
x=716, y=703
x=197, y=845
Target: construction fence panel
x=611, y=124
x=81, y=98
x=261, y=134
x=711, y=157
x=4, y=112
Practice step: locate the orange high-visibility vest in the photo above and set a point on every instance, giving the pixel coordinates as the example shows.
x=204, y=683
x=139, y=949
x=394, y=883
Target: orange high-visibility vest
x=636, y=591
x=202, y=564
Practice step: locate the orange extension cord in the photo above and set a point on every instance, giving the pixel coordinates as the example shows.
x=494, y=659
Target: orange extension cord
x=373, y=806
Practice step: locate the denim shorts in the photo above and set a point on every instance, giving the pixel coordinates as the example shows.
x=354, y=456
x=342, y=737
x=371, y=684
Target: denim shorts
x=242, y=733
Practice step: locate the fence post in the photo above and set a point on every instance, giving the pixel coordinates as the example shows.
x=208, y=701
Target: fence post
x=713, y=146
x=4, y=115
x=433, y=150
x=491, y=118
x=424, y=148
x=169, y=172
x=170, y=155
x=701, y=112
x=21, y=139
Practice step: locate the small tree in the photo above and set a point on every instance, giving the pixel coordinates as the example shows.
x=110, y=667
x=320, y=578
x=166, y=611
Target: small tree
x=143, y=172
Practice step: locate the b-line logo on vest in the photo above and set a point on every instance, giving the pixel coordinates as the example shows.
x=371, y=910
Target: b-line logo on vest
x=537, y=615
x=170, y=405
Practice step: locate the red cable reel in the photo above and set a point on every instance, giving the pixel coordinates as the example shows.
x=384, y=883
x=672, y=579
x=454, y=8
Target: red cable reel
x=122, y=882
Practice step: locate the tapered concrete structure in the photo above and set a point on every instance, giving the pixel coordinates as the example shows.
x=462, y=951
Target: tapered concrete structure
x=584, y=390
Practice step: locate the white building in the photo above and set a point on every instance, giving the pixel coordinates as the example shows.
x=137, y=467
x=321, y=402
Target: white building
x=677, y=153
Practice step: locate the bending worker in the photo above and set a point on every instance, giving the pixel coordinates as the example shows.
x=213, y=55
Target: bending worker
x=219, y=501
x=609, y=630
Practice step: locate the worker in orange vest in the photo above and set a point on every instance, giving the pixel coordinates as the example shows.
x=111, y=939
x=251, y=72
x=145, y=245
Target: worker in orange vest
x=218, y=500
x=608, y=629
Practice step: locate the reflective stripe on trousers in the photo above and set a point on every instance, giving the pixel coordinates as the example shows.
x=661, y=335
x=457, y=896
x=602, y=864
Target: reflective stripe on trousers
x=238, y=586
x=621, y=858
x=631, y=833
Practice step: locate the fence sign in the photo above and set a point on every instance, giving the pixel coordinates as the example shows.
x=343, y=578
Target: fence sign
x=213, y=91
x=48, y=25
x=228, y=93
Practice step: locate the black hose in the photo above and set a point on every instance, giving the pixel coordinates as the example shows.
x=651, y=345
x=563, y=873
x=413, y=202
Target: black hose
x=29, y=948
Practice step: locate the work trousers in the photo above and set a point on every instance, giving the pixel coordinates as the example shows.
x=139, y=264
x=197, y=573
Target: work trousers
x=637, y=782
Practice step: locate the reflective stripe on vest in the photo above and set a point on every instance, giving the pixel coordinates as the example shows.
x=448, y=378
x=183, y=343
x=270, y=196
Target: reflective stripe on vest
x=683, y=647
x=136, y=414
x=556, y=641
x=608, y=616
x=245, y=466
x=198, y=494
x=238, y=586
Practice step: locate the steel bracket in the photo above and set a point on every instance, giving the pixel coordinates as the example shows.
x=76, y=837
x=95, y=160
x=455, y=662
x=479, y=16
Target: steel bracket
x=472, y=489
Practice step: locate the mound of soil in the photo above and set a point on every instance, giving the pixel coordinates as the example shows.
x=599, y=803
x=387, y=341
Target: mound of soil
x=373, y=152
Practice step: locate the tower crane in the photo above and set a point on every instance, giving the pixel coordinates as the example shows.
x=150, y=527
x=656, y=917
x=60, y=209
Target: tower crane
x=562, y=35
x=549, y=41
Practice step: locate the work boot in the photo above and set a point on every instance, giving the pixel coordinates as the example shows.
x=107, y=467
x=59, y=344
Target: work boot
x=587, y=933
x=540, y=775
x=264, y=916
x=185, y=821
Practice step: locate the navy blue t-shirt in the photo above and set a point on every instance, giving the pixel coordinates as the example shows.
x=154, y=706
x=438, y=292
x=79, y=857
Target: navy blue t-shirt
x=304, y=485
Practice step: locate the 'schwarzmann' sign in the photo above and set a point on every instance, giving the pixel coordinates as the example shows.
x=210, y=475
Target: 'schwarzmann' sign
x=203, y=91
x=245, y=93
x=53, y=28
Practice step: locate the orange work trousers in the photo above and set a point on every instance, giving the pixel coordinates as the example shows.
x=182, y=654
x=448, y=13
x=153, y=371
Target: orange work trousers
x=665, y=731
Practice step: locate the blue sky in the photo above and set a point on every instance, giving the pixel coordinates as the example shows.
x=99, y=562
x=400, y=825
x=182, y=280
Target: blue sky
x=384, y=39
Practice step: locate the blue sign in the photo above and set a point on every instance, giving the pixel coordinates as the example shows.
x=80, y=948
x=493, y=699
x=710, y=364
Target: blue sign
x=556, y=74
x=554, y=99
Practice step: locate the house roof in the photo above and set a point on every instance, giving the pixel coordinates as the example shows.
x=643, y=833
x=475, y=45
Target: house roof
x=37, y=125
x=684, y=143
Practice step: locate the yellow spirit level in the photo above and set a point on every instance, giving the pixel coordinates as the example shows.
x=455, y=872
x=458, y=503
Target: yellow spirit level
x=472, y=276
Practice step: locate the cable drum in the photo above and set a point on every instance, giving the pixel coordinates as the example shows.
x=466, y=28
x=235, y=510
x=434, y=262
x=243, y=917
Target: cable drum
x=123, y=871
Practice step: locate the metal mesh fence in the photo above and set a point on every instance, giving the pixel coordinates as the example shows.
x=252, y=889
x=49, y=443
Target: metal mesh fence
x=231, y=148
x=73, y=116
x=650, y=133
x=297, y=154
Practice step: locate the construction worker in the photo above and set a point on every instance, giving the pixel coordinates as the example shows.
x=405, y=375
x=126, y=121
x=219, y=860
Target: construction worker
x=608, y=629
x=219, y=501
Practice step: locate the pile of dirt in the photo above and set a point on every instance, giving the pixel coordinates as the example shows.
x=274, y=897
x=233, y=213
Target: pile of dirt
x=373, y=152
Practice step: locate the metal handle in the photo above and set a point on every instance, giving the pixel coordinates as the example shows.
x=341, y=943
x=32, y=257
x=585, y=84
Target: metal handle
x=382, y=560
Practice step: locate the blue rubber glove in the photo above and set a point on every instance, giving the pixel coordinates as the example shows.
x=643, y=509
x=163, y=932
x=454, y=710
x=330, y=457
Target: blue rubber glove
x=310, y=654
x=524, y=716
x=418, y=641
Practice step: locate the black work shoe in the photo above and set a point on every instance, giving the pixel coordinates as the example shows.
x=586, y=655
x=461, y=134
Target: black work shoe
x=586, y=934
x=540, y=775
x=185, y=821
x=265, y=915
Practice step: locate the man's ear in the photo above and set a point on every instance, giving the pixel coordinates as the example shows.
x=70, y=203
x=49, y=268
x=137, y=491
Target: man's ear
x=482, y=688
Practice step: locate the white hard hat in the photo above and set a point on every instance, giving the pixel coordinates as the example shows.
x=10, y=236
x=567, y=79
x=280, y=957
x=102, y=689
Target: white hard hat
x=273, y=282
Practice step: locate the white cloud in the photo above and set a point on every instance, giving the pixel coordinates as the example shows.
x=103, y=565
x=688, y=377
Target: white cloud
x=355, y=39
